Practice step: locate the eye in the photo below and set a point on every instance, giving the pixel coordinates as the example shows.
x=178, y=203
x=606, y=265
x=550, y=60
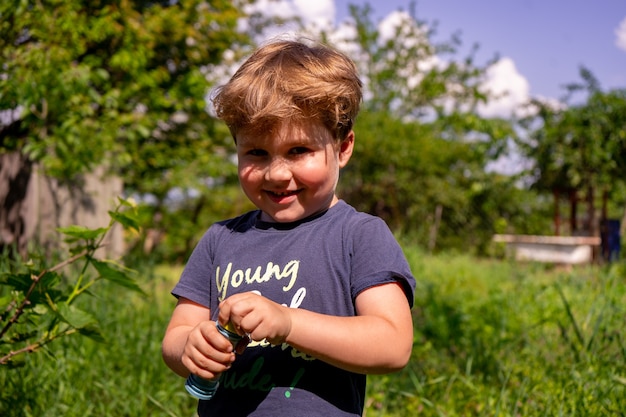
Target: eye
x=256, y=152
x=299, y=150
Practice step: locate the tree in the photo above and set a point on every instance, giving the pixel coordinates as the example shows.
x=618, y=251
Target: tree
x=580, y=148
x=119, y=84
x=422, y=147
x=408, y=73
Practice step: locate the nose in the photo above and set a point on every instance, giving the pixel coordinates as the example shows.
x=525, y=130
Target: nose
x=278, y=170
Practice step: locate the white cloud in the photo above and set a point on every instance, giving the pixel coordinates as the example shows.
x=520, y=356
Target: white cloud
x=279, y=8
x=620, y=35
x=315, y=16
x=507, y=86
x=319, y=13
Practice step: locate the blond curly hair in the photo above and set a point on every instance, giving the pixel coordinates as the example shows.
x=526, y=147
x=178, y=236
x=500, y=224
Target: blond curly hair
x=291, y=82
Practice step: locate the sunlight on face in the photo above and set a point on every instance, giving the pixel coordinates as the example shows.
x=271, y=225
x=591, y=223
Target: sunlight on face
x=292, y=172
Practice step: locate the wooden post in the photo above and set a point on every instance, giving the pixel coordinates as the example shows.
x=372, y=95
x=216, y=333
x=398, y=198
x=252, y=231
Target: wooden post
x=591, y=212
x=434, y=229
x=557, y=213
x=573, y=220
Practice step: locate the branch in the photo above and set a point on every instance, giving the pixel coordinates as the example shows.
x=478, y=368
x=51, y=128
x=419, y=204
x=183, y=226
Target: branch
x=20, y=309
x=32, y=347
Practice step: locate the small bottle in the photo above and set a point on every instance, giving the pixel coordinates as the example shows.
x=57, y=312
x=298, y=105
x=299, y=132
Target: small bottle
x=205, y=389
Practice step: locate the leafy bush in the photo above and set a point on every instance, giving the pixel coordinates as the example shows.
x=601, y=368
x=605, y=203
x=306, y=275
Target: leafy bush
x=39, y=303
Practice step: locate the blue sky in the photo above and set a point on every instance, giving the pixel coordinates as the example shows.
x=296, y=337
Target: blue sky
x=547, y=40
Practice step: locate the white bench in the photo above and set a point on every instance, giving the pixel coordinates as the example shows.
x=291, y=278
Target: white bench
x=553, y=249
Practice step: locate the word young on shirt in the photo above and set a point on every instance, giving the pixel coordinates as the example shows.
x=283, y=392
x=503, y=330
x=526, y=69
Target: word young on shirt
x=239, y=277
x=248, y=276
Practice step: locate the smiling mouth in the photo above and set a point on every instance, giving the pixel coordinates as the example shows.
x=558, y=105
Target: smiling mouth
x=280, y=195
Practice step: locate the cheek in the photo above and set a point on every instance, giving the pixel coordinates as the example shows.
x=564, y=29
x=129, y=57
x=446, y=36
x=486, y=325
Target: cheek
x=318, y=172
x=247, y=174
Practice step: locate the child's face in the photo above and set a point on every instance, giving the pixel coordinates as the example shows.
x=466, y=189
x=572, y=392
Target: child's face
x=292, y=174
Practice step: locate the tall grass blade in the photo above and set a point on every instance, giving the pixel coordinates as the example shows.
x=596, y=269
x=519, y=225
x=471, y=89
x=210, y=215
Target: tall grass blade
x=570, y=315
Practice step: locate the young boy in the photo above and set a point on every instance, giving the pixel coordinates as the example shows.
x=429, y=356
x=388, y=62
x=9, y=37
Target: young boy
x=324, y=292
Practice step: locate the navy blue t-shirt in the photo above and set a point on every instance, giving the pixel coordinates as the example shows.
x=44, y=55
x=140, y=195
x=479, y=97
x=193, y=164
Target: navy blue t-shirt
x=320, y=264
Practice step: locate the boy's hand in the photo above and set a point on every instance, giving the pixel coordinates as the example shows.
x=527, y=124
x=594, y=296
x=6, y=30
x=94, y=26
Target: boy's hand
x=207, y=352
x=257, y=316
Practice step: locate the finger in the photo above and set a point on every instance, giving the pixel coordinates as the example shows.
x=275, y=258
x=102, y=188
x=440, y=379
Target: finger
x=235, y=308
x=207, y=364
x=214, y=338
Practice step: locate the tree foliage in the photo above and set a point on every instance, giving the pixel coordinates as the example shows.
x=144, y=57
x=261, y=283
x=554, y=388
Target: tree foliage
x=580, y=148
x=408, y=73
x=422, y=147
x=579, y=145
x=121, y=83
x=124, y=84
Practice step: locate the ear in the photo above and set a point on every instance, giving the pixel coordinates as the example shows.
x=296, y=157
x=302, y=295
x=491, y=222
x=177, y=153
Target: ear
x=345, y=149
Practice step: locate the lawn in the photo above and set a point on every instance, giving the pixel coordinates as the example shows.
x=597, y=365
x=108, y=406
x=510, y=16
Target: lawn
x=492, y=338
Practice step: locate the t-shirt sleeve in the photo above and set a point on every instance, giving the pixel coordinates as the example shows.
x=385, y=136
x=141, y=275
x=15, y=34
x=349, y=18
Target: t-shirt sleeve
x=377, y=259
x=194, y=283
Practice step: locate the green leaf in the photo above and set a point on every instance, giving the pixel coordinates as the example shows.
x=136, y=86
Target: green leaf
x=74, y=316
x=5, y=301
x=82, y=232
x=115, y=275
x=49, y=280
x=127, y=202
x=41, y=309
x=19, y=282
x=20, y=337
x=124, y=220
x=93, y=332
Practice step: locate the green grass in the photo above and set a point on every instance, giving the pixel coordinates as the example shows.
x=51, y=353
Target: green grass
x=503, y=339
x=492, y=338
